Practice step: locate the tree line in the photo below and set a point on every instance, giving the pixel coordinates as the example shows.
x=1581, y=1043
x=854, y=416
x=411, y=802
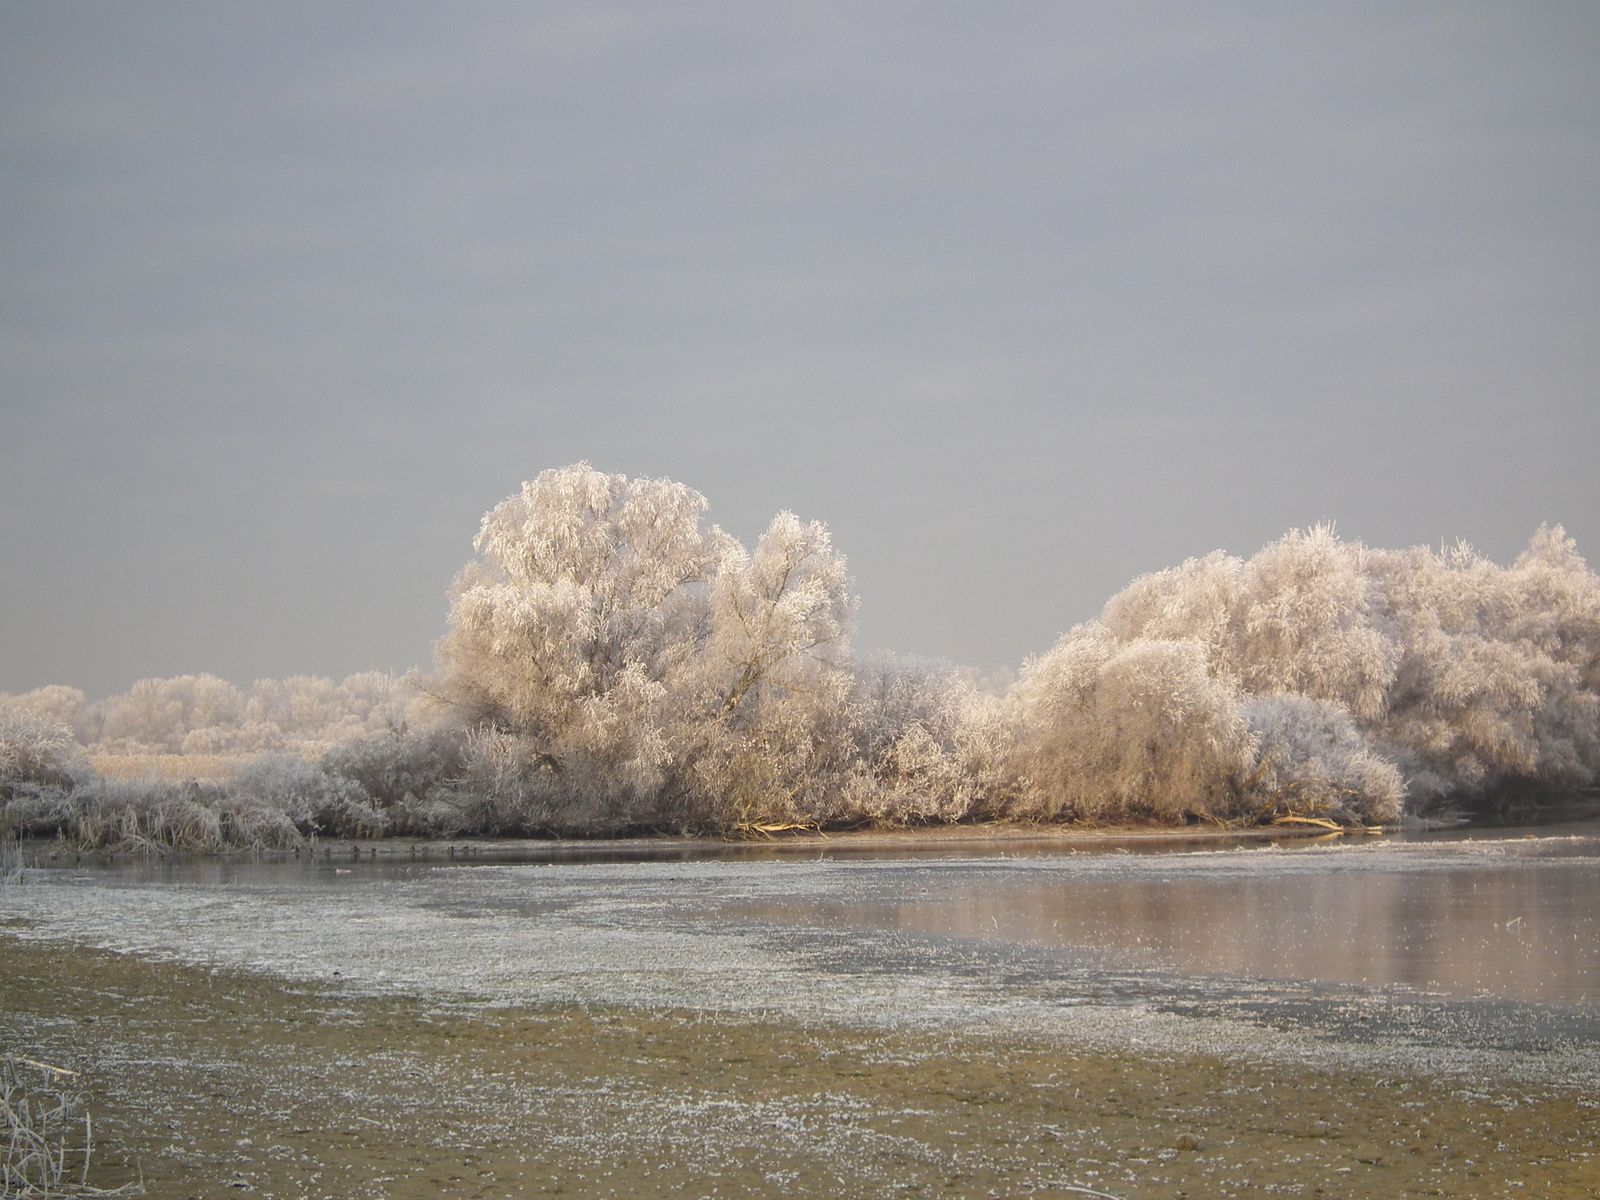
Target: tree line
x=613, y=663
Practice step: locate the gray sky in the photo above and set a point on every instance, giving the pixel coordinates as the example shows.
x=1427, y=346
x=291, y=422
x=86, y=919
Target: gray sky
x=1022, y=299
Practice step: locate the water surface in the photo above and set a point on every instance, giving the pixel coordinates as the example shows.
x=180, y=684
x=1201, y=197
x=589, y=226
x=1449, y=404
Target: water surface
x=1472, y=951
x=1511, y=916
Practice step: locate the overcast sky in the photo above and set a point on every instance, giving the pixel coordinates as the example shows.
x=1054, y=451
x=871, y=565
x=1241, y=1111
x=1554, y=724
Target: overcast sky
x=1021, y=299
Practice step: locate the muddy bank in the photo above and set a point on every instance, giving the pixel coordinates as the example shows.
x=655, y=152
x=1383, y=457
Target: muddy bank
x=225, y=1083
x=989, y=838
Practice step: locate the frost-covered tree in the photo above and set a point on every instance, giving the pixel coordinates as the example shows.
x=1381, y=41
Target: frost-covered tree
x=612, y=661
x=764, y=734
x=928, y=743
x=778, y=616
x=1470, y=676
x=586, y=584
x=53, y=704
x=1497, y=683
x=1311, y=760
x=310, y=714
x=652, y=661
x=1141, y=729
x=158, y=715
x=1149, y=729
x=201, y=714
x=587, y=604
x=1301, y=616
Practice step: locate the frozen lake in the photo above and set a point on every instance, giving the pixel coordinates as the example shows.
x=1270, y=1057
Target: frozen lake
x=1465, y=952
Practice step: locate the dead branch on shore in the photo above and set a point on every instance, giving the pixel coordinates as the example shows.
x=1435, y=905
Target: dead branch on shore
x=766, y=829
x=1315, y=822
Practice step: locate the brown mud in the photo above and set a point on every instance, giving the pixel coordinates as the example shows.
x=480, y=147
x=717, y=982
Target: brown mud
x=986, y=838
x=226, y=1084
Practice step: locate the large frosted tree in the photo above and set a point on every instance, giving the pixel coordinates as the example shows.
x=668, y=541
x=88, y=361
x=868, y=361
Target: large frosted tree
x=634, y=654
x=586, y=584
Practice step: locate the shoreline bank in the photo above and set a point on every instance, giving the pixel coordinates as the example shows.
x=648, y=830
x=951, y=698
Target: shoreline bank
x=976, y=838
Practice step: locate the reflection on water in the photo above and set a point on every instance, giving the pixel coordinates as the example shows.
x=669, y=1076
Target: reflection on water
x=1505, y=914
x=1522, y=928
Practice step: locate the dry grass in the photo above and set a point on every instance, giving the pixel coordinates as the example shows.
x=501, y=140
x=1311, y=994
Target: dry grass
x=170, y=768
x=152, y=818
x=39, y=1118
x=10, y=857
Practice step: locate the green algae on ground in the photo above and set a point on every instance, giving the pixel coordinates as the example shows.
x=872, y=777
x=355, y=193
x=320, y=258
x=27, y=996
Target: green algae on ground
x=225, y=1083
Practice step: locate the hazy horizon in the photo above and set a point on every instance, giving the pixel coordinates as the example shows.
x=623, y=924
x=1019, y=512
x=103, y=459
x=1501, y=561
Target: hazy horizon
x=1021, y=302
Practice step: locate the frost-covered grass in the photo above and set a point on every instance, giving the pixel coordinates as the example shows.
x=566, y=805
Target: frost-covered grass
x=46, y=1134
x=10, y=857
x=313, y=1092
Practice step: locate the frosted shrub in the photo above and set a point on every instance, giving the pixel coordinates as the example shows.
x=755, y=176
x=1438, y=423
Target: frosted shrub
x=1137, y=730
x=398, y=768
x=509, y=788
x=1311, y=760
x=449, y=780
x=48, y=789
x=313, y=800
x=147, y=816
x=928, y=744
x=1472, y=678
x=506, y=785
x=414, y=778
x=54, y=705
x=1147, y=730
x=776, y=761
x=37, y=753
x=40, y=766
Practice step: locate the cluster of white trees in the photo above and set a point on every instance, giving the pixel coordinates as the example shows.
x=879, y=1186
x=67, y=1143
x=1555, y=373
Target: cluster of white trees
x=613, y=662
x=1324, y=668
x=201, y=714
x=638, y=667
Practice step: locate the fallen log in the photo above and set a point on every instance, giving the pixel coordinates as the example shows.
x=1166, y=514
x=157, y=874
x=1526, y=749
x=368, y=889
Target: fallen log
x=1316, y=822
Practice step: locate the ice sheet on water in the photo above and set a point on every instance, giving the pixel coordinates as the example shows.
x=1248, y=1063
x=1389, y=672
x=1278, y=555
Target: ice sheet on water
x=828, y=941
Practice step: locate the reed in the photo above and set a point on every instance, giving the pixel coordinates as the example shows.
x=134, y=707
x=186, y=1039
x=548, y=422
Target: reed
x=10, y=855
x=41, y=1156
x=156, y=818
x=171, y=768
